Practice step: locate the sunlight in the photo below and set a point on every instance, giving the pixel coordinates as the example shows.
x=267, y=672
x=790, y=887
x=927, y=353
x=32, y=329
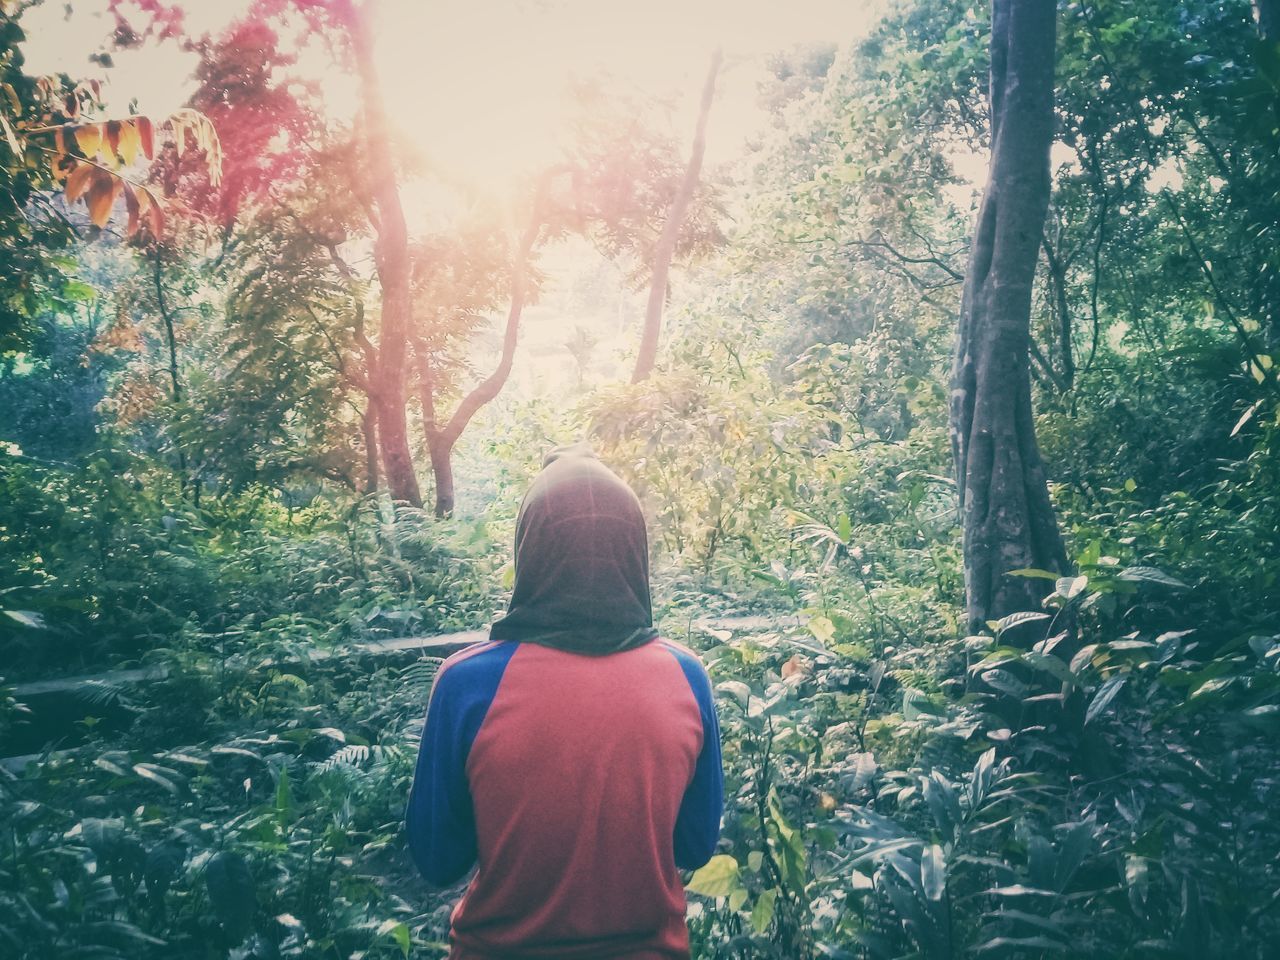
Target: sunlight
x=484, y=89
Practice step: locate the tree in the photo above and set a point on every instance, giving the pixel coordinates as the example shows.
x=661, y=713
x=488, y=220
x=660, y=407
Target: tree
x=442, y=433
x=386, y=365
x=1009, y=521
x=666, y=246
x=51, y=140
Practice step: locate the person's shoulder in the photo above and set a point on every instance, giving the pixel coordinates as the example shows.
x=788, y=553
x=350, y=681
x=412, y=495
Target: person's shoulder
x=688, y=659
x=477, y=663
x=682, y=653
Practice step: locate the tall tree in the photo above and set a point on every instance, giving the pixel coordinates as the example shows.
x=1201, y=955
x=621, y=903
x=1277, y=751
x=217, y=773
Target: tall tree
x=1000, y=477
x=387, y=363
x=666, y=246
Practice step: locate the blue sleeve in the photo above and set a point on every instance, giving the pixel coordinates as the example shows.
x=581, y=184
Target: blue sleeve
x=439, y=819
x=698, y=823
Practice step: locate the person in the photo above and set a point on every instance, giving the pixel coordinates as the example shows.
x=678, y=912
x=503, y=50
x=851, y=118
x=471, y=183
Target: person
x=575, y=757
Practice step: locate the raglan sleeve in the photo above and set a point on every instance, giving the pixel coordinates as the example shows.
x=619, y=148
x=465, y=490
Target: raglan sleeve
x=439, y=819
x=698, y=822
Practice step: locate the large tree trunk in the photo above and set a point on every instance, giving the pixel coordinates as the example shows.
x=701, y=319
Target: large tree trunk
x=391, y=254
x=369, y=427
x=666, y=246
x=1008, y=519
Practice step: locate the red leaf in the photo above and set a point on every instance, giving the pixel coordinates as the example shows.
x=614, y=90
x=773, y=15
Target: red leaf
x=157, y=217
x=147, y=135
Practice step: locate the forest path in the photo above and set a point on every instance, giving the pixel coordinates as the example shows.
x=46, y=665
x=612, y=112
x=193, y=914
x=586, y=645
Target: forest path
x=58, y=705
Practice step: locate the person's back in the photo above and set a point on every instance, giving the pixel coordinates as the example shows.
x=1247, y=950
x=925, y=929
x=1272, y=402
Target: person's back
x=575, y=757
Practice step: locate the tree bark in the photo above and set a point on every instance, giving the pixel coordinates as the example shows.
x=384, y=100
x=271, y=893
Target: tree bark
x=369, y=427
x=1000, y=477
x=391, y=255
x=666, y=246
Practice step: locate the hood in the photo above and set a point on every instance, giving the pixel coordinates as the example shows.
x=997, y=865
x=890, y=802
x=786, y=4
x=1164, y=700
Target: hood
x=581, y=560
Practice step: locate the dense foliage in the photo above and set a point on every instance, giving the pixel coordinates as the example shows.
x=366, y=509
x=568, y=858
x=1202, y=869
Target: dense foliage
x=186, y=495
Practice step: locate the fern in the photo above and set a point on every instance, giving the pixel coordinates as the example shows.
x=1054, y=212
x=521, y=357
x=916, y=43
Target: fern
x=357, y=756
x=420, y=675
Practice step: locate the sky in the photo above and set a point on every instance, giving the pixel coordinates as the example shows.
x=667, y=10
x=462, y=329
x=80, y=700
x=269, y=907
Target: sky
x=479, y=85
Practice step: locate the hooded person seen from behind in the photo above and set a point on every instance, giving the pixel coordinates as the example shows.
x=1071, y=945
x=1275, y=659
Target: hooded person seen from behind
x=574, y=759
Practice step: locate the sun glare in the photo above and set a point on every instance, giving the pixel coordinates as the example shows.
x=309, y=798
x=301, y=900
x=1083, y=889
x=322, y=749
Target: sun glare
x=482, y=88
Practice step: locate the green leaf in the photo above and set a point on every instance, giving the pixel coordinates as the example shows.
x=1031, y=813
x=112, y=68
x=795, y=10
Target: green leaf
x=1106, y=693
x=399, y=933
x=27, y=618
x=762, y=911
x=149, y=772
x=844, y=527
x=1152, y=575
x=822, y=628
x=1016, y=619
x=1033, y=572
x=933, y=872
x=1210, y=687
x=1006, y=683
x=1070, y=587
x=718, y=877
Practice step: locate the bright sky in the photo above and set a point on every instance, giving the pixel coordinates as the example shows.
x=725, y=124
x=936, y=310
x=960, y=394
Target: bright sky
x=480, y=85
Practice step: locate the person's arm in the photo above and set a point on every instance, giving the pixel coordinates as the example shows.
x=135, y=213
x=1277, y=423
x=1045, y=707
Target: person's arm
x=698, y=823
x=439, y=819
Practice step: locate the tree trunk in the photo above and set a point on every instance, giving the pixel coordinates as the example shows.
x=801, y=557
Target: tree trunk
x=442, y=471
x=1000, y=478
x=369, y=427
x=391, y=255
x=666, y=246
x=441, y=440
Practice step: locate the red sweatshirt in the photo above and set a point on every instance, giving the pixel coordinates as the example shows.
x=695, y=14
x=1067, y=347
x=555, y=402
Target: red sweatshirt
x=577, y=783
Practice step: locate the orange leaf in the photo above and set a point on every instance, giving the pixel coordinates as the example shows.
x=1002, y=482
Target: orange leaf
x=102, y=197
x=78, y=181
x=89, y=138
x=146, y=136
x=128, y=142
